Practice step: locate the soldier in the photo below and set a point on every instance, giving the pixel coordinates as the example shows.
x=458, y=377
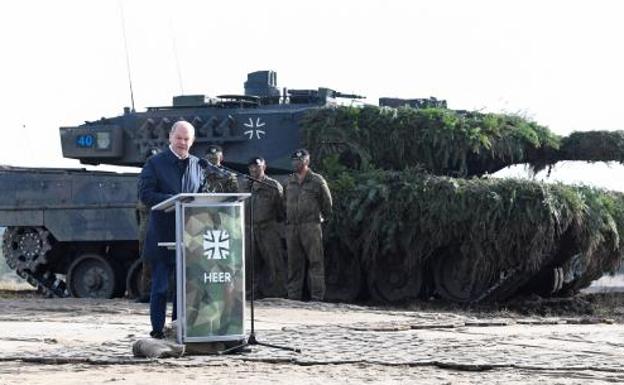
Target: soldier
x=218, y=181
x=268, y=209
x=308, y=204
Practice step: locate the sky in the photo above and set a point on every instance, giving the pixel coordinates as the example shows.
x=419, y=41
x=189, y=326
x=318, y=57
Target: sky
x=560, y=63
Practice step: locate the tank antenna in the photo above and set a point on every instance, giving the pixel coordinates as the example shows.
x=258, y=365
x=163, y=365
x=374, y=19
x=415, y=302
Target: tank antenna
x=175, y=55
x=123, y=29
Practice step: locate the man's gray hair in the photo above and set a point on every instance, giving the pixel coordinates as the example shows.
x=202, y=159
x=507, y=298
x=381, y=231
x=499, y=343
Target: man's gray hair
x=182, y=123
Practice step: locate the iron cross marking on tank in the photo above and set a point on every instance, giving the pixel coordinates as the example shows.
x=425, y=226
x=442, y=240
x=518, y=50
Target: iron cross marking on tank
x=254, y=128
x=216, y=244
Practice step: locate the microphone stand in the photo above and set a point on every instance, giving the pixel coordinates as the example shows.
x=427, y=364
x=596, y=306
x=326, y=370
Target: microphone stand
x=251, y=340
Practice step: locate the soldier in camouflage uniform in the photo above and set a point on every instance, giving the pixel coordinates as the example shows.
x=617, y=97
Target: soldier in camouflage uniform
x=268, y=209
x=308, y=203
x=218, y=181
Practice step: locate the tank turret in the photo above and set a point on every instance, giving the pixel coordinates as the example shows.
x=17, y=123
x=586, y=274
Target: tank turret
x=258, y=122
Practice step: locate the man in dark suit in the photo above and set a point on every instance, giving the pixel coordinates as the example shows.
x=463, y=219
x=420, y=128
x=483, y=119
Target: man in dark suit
x=164, y=175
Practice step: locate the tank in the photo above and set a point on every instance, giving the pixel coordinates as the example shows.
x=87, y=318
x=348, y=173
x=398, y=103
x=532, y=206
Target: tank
x=394, y=169
x=265, y=120
x=75, y=232
x=72, y=223
x=418, y=214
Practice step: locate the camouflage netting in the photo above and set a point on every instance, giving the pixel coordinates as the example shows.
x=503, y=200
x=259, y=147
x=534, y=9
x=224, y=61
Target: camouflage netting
x=447, y=142
x=592, y=146
x=412, y=233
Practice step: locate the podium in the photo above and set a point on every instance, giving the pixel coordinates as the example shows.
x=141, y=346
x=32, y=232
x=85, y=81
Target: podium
x=210, y=265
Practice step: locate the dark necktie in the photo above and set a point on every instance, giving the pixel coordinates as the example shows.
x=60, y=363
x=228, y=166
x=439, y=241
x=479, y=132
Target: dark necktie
x=182, y=163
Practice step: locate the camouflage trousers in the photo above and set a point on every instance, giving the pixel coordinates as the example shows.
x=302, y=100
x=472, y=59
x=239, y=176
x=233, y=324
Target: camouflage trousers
x=305, y=245
x=269, y=261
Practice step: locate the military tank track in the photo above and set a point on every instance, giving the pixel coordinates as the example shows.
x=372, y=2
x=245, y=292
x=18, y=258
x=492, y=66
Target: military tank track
x=48, y=283
x=25, y=250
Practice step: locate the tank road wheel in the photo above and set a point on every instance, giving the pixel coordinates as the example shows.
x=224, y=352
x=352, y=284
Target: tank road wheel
x=462, y=279
x=134, y=283
x=91, y=276
x=25, y=248
x=391, y=281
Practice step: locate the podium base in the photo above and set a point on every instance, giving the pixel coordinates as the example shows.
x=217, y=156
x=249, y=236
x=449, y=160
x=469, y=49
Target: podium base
x=211, y=348
x=251, y=340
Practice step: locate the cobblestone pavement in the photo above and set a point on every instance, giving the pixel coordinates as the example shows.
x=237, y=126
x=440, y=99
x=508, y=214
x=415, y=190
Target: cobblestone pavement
x=41, y=340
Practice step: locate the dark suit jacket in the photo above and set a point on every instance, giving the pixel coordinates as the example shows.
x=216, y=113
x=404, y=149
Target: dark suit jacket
x=160, y=179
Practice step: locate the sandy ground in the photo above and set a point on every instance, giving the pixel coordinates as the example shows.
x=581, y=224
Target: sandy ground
x=78, y=341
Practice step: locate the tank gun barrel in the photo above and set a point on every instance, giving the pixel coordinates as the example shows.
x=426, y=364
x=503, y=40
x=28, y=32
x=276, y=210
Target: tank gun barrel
x=339, y=94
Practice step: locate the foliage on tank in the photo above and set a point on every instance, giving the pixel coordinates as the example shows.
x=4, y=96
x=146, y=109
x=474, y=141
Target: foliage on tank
x=448, y=142
x=414, y=233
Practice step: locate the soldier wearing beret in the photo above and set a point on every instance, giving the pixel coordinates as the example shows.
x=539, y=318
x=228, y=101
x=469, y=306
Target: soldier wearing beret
x=308, y=203
x=268, y=209
x=218, y=181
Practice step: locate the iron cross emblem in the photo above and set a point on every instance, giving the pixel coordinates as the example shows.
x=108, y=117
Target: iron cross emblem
x=216, y=244
x=254, y=128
